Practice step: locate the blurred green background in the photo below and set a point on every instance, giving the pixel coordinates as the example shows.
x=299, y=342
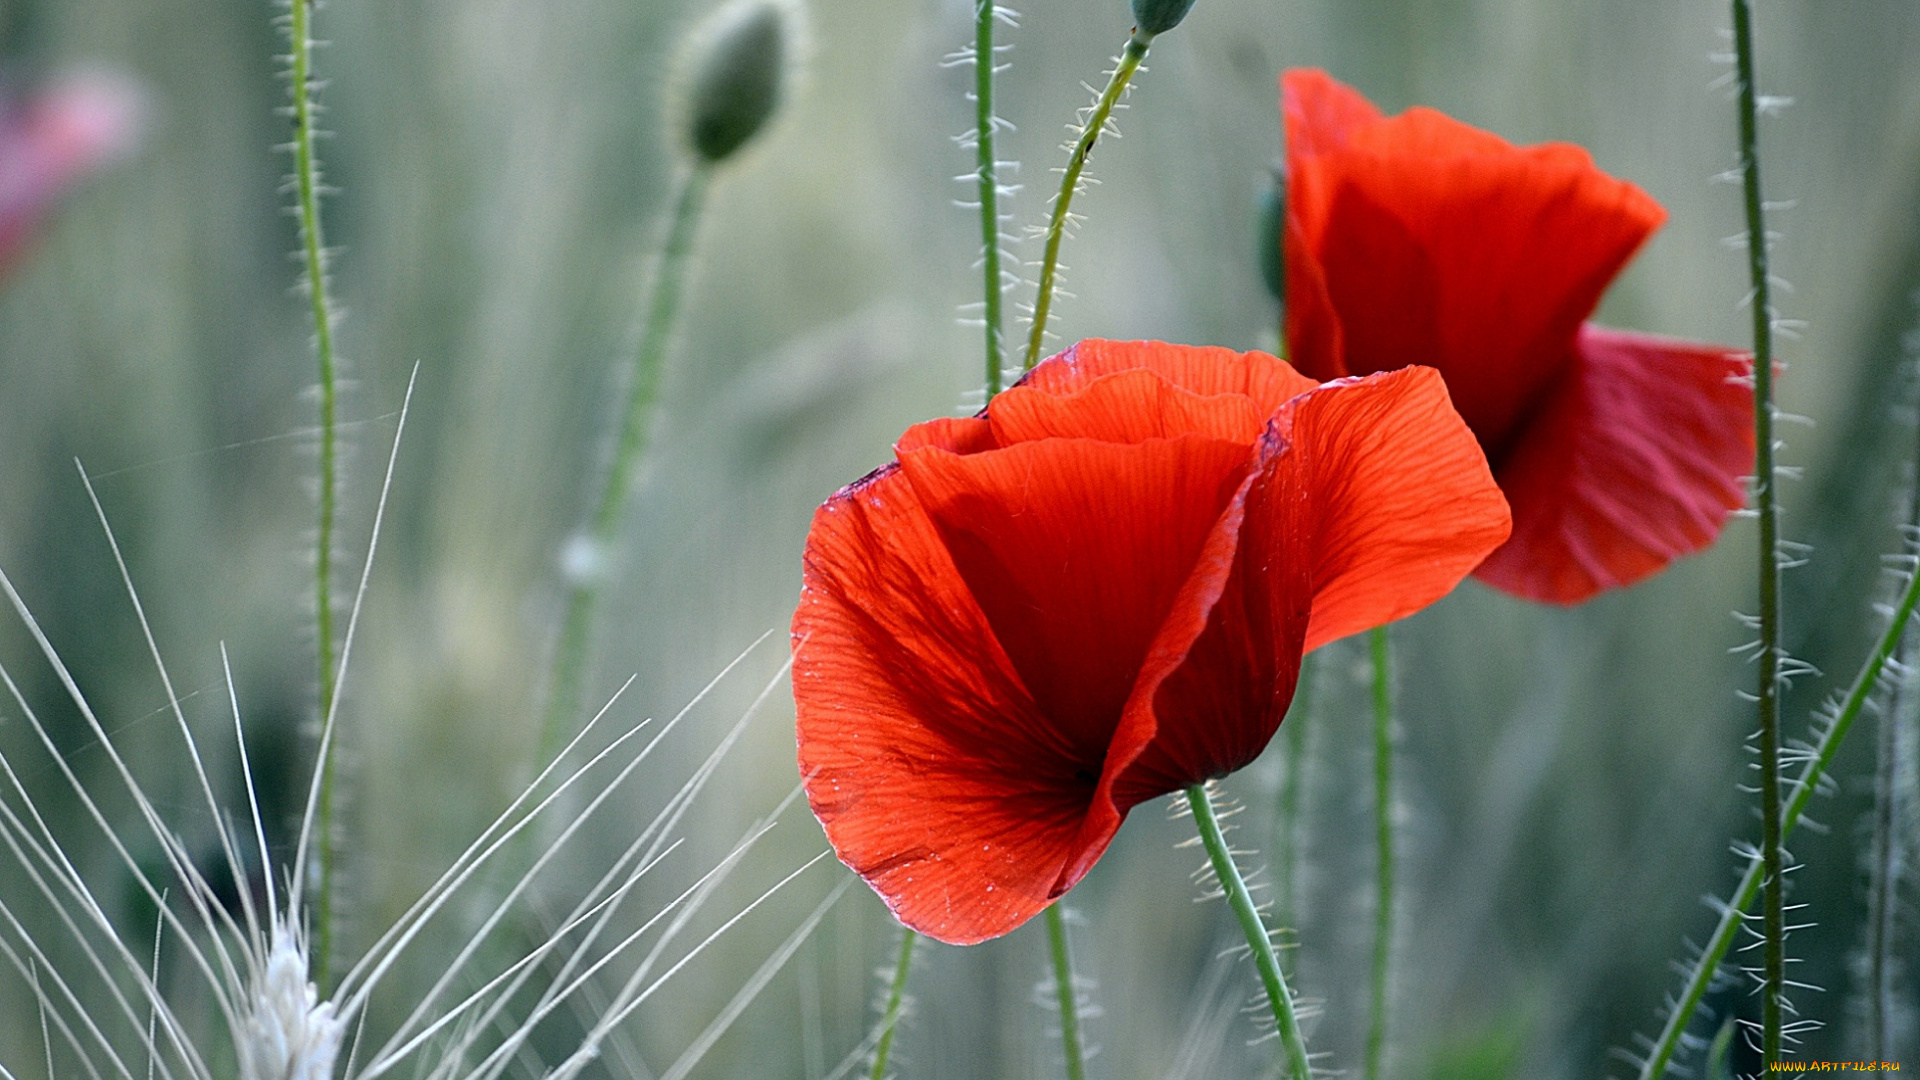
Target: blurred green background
x=1568, y=777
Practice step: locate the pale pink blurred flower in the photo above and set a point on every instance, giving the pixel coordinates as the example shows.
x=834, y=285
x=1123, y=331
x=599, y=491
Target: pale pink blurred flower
x=50, y=139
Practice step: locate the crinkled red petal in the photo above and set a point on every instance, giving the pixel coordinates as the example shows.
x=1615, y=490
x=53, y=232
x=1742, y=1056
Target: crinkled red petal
x=935, y=775
x=1636, y=459
x=1203, y=370
x=1075, y=550
x=1321, y=112
x=1128, y=407
x=1419, y=239
x=1370, y=500
x=1399, y=494
x=960, y=434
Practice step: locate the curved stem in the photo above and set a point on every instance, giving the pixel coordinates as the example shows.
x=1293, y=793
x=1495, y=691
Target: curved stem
x=1235, y=886
x=1130, y=58
x=1064, y=989
x=1733, y=915
x=1383, y=839
x=1773, y=976
x=989, y=178
x=306, y=176
x=1886, y=862
x=896, y=997
x=636, y=424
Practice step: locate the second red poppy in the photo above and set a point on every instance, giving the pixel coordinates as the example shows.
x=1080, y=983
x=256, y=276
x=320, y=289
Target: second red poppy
x=1417, y=239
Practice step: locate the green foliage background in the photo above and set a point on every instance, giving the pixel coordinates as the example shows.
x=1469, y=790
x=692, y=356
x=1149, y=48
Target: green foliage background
x=1569, y=775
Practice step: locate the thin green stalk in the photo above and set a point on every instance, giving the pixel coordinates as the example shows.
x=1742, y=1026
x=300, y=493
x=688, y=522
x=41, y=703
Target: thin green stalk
x=1773, y=918
x=1130, y=58
x=1292, y=794
x=636, y=424
x=306, y=176
x=1884, y=862
x=1733, y=916
x=1063, y=988
x=1383, y=840
x=896, y=996
x=1884, y=865
x=983, y=16
x=1235, y=886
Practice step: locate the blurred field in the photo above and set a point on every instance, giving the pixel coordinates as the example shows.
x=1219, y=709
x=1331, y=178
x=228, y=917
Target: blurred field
x=1568, y=775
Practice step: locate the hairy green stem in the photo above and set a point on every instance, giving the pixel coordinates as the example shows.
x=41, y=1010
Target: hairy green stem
x=1884, y=865
x=306, y=178
x=1130, y=58
x=1069, y=998
x=1235, y=887
x=1292, y=794
x=1383, y=841
x=896, y=997
x=636, y=424
x=989, y=179
x=1733, y=916
x=1773, y=914
x=1884, y=868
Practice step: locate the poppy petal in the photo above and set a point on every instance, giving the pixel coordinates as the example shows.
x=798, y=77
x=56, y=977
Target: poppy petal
x=960, y=434
x=1074, y=550
x=924, y=757
x=1422, y=238
x=1205, y=370
x=1212, y=693
x=1395, y=491
x=1371, y=500
x=1126, y=407
x=1321, y=111
x=1155, y=749
x=1636, y=459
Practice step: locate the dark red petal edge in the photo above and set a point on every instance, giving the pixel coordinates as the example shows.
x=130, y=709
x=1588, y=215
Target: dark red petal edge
x=1636, y=459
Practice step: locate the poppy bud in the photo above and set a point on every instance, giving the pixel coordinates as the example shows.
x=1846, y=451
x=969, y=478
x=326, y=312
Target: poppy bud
x=1270, y=236
x=732, y=75
x=1159, y=16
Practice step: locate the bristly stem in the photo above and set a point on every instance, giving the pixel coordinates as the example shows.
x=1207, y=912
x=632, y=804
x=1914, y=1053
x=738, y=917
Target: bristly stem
x=306, y=178
x=1383, y=840
x=1773, y=916
x=593, y=549
x=896, y=998
x=1292, y=795
x=1130, y=58
x=1733, y=915
x=1885, y=858
x=1235, y=886
x=1885, y=866
x=1064, y=989
x=983, y=16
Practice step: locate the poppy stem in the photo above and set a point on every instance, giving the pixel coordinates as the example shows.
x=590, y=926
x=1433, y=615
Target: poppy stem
x=584, y=561
x=1069, y=997
x=1891, y=806
x=1383, y=838
x=1773, y=907
x=1733, y=916
x=1235, y=886
x=896, y=1000
x=313, y=251
x=1129, y=62
x=984, y=13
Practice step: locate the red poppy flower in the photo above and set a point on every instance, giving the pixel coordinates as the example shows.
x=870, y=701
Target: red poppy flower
x=1419, y=239
x=51, y=140
x=1097, y=591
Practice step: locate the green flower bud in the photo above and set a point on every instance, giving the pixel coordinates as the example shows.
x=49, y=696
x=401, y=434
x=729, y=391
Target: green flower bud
x=1270, y=237
x=1159, y=16
x=733, y=72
